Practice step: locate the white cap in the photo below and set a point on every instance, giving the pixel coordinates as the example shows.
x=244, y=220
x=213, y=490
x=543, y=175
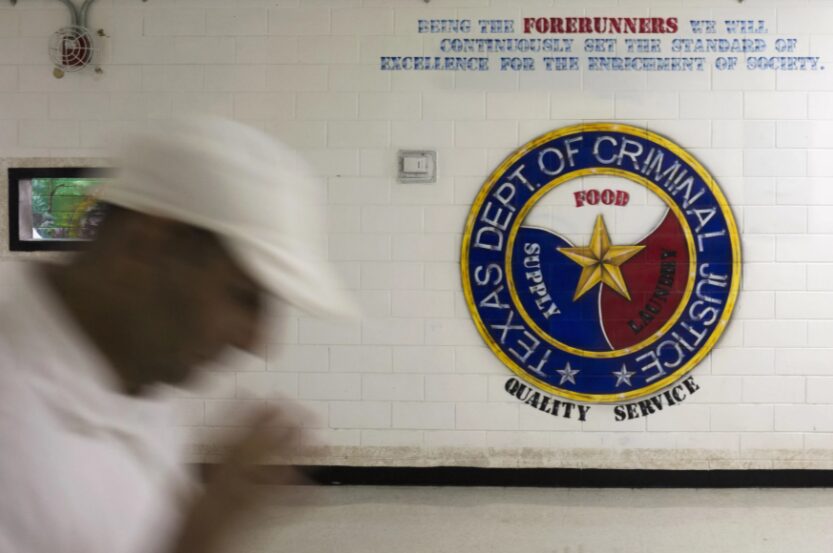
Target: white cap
x=252, y=191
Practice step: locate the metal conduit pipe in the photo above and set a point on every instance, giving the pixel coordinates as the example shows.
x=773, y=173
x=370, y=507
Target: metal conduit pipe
x=85, y=8
x=72, y=11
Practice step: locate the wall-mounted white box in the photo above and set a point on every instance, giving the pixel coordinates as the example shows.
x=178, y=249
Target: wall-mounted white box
x=417, y=166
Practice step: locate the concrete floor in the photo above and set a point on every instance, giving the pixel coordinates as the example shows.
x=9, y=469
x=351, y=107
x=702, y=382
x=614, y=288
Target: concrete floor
x=502, y=520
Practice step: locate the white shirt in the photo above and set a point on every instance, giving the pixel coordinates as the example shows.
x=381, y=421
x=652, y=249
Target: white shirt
x=83, y=468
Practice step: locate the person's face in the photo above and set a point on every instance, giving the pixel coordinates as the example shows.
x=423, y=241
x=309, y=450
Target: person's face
x=199, y=302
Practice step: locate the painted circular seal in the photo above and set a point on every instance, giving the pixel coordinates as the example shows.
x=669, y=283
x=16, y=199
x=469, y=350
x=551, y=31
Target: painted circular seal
x=601, y=262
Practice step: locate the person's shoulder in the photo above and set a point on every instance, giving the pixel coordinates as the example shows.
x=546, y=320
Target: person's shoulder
x=13, y=275
x=12, y=278
x=27, y=475
x=16, y=279
x=17, y=398
x=16, y=342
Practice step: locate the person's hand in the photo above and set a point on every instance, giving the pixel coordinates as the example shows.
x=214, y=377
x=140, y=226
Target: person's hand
x=271, y=435
x=232, y=492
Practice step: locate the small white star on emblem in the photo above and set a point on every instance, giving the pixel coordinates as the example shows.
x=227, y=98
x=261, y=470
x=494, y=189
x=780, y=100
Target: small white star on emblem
x=567, y=375
x=624, y=375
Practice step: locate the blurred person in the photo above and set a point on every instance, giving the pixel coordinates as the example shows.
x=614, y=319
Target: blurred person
x=207, y=221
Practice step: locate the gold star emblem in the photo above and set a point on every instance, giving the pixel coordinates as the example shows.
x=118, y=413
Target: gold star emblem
x=600, y=262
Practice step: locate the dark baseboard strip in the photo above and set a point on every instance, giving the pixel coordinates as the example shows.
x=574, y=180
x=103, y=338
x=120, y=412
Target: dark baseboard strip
x=546, y=477
x=566, y=478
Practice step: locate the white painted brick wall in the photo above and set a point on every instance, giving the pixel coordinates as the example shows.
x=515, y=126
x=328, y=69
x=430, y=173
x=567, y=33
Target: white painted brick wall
x=414, y=372
x=236, y=21
x=299, y=21
x=312, y=358
x=424, y=415
x=487, y=416
x=423, y=359
x=360, y=414
x=685, y=418
x=330, y=386
x=174, y=22
x=393, y=387
x=395, y=332
x=742, y=418
x=361, y=359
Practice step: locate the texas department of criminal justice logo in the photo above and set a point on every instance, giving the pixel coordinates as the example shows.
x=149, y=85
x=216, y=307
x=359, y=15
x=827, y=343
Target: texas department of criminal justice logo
x=601, y=262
